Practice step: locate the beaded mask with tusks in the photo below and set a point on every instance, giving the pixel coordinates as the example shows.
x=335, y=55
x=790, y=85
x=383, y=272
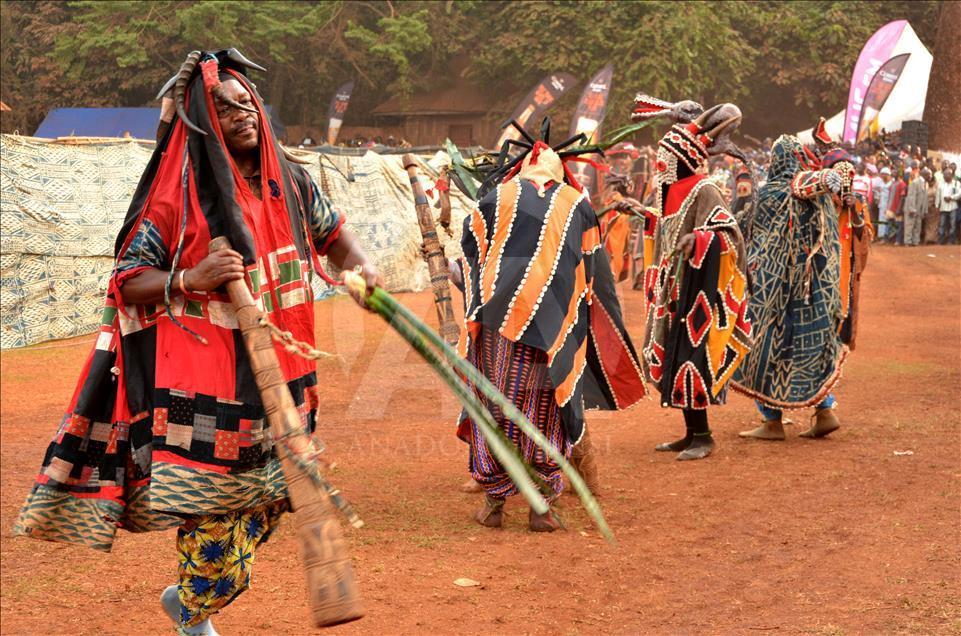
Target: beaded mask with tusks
x=713, y=126
x=696, y=135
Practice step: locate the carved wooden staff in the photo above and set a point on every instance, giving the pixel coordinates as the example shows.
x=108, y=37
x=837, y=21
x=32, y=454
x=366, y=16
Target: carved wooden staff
x=332, y=590
x=443, y=199
x=434, y=255
x=324, y=183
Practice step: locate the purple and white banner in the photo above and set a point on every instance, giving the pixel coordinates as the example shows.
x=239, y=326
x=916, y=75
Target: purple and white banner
x=878, y=50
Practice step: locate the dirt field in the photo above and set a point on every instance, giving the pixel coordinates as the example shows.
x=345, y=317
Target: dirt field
x=835, y=536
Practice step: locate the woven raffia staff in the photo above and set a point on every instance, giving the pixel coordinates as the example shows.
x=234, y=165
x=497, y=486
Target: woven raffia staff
x=433, y=254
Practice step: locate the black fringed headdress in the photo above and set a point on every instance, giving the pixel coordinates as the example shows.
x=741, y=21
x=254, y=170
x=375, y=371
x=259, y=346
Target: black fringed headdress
x=507, y=166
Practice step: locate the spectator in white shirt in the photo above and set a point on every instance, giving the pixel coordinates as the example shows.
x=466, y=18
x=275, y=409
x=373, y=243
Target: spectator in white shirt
x=947, y=197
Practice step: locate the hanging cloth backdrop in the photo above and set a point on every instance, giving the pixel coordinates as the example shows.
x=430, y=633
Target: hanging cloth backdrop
x=63, y=201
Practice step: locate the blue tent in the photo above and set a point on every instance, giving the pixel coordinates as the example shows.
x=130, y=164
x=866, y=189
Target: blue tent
x=139, y=123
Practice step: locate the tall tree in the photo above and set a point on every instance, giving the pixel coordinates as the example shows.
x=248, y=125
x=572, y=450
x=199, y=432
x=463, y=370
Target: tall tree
x=785, y=63
x=942, y=106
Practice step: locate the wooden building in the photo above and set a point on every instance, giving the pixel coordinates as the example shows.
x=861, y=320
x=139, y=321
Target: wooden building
x=461, y=112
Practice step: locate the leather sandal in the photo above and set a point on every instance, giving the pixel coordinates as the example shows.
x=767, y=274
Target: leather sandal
x=771, y=430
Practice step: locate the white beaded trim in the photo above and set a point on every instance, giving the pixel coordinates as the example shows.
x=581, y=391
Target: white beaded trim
x=537, y=251
x=665, y=177
x=688, y=399
x=467, y=281
x=476, y=238
x=510, y=228
x=577, y=318
x=687, y=326
x=483, y=269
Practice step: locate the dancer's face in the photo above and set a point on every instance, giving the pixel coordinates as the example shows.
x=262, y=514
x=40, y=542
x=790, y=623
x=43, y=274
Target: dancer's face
x=241, y=129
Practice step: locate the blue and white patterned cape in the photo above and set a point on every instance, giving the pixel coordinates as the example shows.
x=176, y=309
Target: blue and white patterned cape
x=795, y=303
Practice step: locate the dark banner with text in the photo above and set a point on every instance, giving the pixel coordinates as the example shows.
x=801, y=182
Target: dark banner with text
x=335, y=114
x=878, y=91
x=537, y=101
x=588, y=119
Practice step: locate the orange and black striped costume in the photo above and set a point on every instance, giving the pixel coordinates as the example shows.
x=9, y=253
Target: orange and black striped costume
x=535, y=274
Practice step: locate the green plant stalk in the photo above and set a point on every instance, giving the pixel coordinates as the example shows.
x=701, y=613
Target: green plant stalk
x=500, y=446
x=498, y=442
x=478, y=379
x=616, y=136
x=413, y=333
x=457, y=162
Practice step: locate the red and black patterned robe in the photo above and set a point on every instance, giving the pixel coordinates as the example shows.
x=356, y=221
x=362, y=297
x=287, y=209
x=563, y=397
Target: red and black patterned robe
x=163, y=426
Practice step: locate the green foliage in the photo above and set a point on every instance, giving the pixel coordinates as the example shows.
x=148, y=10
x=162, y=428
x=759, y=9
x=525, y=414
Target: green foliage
x=783, y=62
x=399, y=38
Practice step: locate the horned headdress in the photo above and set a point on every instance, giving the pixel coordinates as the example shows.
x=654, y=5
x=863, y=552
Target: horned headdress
x=538, y=150
x=210, y=66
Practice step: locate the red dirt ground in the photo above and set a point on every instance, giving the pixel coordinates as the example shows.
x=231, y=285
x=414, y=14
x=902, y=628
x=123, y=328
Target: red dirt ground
x=834, y=536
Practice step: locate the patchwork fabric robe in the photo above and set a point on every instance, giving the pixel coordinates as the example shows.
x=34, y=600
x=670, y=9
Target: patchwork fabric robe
x=163, y=426
x=796, y=301
x=696, y=331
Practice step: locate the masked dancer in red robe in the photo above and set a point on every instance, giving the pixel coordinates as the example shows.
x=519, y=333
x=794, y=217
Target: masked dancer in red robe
x=696, y=332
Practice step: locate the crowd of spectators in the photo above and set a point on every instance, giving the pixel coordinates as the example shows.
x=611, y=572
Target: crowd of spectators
x=914, y=198
x=359, y=141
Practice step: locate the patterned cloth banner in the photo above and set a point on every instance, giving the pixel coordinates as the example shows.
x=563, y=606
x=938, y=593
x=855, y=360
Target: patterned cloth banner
x=62, y=203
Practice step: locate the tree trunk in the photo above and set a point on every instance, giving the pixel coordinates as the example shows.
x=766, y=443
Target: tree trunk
x=942, y=108
x=276, y=87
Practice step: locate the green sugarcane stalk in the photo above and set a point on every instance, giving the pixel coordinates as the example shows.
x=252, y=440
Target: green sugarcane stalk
x=379, y=297
x=505, y=452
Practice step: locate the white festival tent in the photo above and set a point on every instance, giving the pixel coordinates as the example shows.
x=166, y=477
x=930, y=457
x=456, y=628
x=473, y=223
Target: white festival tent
x=906, y=101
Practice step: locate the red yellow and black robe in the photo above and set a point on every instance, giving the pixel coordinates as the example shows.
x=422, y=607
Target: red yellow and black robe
x=696, y=332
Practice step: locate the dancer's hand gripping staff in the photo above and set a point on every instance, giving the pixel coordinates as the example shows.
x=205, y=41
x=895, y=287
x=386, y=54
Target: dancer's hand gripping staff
x=453, y=370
